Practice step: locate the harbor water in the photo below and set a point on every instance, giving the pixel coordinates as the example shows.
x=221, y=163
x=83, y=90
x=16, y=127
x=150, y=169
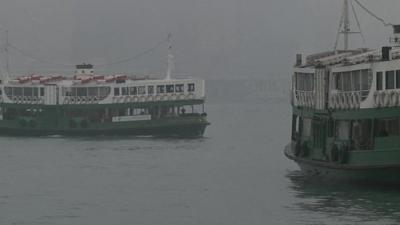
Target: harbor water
x=235, y=175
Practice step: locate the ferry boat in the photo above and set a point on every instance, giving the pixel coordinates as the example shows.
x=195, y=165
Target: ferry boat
x=89, y=104
x=346, y=111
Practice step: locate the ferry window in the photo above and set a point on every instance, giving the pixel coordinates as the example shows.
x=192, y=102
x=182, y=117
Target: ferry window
x=338, y=81
x=342, y=130
x=17, y=91
x=28, y=91
x=170, y=88
x=141, y=90
x=397, y=79
x=150, y=90
x=160, y=89
x=124, y=91
x=41, y=91
x=93, y=91
x=116, y=91
x=35, y=92
x=81, y=92
x=133, y=90
x=179, y=88
x=379, y=81
x=104, y=91
x=365, y=80
x=389, y=79
x=190, y=87
x=355, y=80
x=304, y=81
x=8, y=91
x=346, y=81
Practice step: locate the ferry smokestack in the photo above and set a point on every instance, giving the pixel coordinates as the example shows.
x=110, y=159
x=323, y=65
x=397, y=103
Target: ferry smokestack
x=395, y=40
x=386, y=55
x=299, y=60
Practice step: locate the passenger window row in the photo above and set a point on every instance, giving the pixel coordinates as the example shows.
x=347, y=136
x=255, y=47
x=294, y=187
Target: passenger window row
x=160, y=89
x=392, y=80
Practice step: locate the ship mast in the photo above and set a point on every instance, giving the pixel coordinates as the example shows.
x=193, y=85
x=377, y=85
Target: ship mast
x=171, y=57
x=4, y=43
x=344, y=25
x=7, y=55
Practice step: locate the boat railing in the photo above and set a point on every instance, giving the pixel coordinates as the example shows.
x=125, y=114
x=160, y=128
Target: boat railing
x=387, y=98
x=129, y=98
x=346, y=99
x=153, y=98
x=305, y=98
x=81, y=100
x=25, y=100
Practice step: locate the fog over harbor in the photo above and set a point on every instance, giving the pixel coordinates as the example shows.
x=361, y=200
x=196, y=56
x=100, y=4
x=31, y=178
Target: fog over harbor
x=235, y=174
x=212, y=38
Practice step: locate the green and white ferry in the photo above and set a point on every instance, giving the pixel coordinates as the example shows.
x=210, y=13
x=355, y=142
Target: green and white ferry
x=346, y=111
x=90, y=104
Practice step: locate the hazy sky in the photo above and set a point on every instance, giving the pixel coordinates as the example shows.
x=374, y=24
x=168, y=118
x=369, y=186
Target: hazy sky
x=212, y=38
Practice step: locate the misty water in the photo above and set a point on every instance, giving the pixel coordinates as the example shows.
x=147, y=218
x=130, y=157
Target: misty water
x=235, y=175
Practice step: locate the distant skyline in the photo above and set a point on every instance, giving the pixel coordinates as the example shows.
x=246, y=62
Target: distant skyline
x=212, y=38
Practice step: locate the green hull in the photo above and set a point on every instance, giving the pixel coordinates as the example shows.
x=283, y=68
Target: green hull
x=83, y=120
x=182, y=127
x=383, y=173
